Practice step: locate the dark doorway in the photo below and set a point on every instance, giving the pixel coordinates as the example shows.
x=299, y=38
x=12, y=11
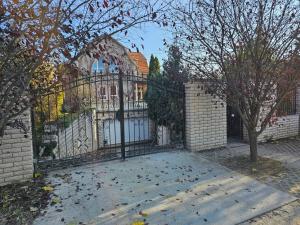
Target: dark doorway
x=234, y=124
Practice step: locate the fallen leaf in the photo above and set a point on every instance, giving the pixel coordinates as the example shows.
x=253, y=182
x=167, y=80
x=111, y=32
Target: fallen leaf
x=36, y=175
x=48, y=188
x=138, y=223
x=33, y=209
x=143, y=214
x=55, y=200
x=77, y=202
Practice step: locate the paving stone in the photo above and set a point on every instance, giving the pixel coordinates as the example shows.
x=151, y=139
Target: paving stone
x=286, y=151
x=173, y=188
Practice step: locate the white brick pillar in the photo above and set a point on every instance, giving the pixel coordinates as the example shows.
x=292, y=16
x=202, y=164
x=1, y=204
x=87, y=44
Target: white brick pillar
x=16, y=153
x=205, y=119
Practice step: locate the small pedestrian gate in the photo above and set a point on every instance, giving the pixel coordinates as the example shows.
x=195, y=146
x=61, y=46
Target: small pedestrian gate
x=104, y=117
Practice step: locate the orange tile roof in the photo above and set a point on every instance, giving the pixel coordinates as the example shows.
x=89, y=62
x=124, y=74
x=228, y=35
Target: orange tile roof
x=140, y=61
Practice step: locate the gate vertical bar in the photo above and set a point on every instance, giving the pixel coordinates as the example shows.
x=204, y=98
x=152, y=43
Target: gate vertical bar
x=121, y=103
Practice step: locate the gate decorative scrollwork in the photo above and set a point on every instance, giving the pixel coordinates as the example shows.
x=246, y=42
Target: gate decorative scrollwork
x=84, y=126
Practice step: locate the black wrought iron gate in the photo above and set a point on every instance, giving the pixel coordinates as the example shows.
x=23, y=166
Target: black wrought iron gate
x=104, y=117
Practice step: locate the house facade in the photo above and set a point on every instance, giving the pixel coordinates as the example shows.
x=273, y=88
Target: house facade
x=102, y=66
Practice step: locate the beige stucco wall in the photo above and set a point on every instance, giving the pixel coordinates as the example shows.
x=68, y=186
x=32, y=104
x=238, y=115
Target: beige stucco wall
x=107, y=48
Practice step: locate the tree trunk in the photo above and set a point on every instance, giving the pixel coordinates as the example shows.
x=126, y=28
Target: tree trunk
x=253, y=145
x=2, y=128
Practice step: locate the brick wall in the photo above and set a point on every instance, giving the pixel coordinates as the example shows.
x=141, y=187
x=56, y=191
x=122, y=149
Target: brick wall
x=16, y=156
x=286, y=126
x=205, y=119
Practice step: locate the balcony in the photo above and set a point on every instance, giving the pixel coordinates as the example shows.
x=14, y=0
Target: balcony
x=113, y=105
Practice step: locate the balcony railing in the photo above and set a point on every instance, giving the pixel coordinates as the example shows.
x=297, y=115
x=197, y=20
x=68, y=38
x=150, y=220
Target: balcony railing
x=105, y=105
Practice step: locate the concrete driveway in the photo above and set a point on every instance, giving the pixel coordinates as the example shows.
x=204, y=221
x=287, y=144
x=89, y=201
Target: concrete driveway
x=165, y=188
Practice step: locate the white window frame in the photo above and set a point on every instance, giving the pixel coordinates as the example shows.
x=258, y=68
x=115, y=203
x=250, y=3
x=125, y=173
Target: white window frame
x=102, y=97
x=111, y=95
x=97, y=66
x=140, y=93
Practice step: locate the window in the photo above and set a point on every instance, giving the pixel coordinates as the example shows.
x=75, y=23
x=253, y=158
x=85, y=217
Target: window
x=94, y=67
x=139, y=93
x=113, y=90
x=112, y=67
x=102, y=93
x=98, y=66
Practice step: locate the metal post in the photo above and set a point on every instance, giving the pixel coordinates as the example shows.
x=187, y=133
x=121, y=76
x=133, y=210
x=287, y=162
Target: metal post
x=34, y=143
x=121, y=102
x=184, y=120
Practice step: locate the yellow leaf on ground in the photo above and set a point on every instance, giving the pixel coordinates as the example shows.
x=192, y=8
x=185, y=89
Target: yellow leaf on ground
x=36, y=175
x=48, y=188
x=138, y=223
x=143, y=214
x=56, y=200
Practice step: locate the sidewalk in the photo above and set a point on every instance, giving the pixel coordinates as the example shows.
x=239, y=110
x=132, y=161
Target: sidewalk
x=279, y=167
